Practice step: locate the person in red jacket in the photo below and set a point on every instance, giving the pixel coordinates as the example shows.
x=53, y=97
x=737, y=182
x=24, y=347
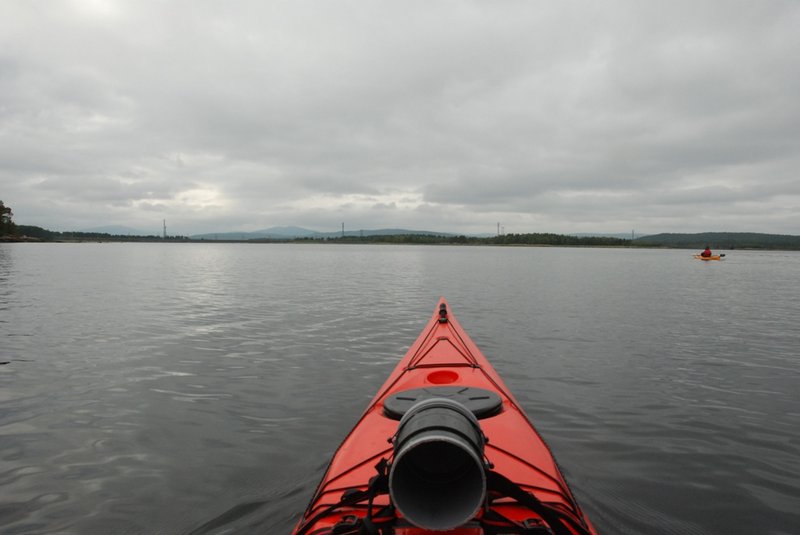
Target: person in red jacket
x=706, y=253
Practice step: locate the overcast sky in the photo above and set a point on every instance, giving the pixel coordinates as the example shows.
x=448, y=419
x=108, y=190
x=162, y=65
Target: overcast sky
x=680, y=116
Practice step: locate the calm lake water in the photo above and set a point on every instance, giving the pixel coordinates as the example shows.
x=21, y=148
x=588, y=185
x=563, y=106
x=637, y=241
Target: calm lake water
x=201, y=388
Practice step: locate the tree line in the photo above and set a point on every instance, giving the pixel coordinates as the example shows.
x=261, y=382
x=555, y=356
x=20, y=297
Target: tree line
x=7, y=226
x=721, y=240
x=51, y=235
x=504, y=239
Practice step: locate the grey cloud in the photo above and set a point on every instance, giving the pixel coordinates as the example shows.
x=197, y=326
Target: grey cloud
x=562, y=114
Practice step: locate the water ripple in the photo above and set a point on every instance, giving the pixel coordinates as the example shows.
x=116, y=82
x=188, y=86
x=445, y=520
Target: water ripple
x=199, y=388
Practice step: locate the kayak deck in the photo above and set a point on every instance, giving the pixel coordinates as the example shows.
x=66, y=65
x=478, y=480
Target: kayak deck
x=707, y=258
x=444, y=362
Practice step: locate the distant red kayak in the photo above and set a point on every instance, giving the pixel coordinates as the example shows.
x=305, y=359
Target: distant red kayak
x=443, y=447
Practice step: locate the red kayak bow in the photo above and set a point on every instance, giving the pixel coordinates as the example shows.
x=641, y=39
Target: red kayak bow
x=443, y=447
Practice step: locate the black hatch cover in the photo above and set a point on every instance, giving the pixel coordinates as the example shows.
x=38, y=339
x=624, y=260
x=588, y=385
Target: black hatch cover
x=481, y=402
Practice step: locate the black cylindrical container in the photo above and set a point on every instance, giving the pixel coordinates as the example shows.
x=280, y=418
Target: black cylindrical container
x=437, y=479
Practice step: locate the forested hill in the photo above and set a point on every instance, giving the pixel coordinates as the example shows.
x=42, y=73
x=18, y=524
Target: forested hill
x=722, y=240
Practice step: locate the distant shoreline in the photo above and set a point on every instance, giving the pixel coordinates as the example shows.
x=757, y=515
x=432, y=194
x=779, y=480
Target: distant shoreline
x=726, y=241
x=334, y=242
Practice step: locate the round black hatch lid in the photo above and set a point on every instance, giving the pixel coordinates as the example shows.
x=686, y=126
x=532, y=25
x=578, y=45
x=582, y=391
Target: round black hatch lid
x=481, y=402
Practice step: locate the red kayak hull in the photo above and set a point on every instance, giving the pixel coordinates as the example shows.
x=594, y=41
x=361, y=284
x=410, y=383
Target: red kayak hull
x=443, y=355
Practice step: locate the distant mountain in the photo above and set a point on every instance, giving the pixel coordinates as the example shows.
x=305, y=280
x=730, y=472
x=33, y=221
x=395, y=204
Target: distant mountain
x=291, y=233
x=620, y=235
x=272, y=233
x=383, y=232
x=118, y=230
x=722, y=240
x=224, y=236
